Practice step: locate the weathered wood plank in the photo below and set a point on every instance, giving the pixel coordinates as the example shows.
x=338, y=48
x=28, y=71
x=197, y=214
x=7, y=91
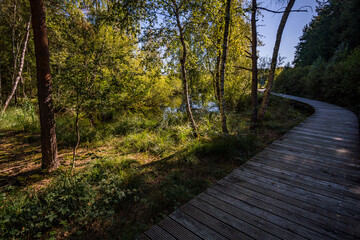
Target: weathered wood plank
x=307, y=169
x=319, y=167
x=325, y=185
x=219, y=224
x=339, y=195
x=268, y=215
x=285, y=196
x=267, y=229
x=157, y=232
x=177, y=230
x=339, y=230
x=195, y=226
x=332, y=204
x=345, y=167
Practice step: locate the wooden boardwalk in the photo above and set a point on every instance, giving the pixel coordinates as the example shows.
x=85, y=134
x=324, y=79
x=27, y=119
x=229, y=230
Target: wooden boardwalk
x=305, y=185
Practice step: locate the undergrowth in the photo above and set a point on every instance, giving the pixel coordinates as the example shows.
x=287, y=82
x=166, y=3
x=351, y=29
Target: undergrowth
x=119, y=195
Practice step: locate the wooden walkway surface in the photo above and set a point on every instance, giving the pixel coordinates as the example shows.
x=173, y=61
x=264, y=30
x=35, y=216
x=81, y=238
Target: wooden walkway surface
x=305, y=185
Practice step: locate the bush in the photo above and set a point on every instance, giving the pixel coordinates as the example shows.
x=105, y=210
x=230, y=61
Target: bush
x=81, y=199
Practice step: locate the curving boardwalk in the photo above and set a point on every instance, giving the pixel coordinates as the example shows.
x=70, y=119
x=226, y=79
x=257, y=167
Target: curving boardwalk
x=305, y=185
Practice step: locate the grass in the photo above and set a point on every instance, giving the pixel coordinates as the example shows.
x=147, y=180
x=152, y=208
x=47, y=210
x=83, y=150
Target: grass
x=131, y=171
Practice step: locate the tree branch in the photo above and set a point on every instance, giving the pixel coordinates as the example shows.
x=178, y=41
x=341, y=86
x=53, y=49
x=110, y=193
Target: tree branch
x=244, y=68
x=297, y=10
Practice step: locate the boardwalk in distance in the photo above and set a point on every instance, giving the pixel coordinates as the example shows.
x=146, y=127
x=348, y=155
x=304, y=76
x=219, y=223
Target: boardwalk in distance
x=306, y=185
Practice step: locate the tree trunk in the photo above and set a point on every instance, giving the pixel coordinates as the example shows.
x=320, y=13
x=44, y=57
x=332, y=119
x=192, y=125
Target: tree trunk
x=19, y=77
x=77, y=132
x=223, y=67
x=0, y=87
x=184, y=74
x=271, y=75
x=47, y=121
x=217, y=76
x=254, y=82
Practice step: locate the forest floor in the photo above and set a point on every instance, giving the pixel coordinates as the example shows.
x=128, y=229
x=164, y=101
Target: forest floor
x=124, y=184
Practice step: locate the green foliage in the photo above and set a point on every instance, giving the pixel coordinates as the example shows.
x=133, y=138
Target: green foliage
x=21, y=118
x=229, y=147
x=335, y=25
x=174, y=190
x=66, y=136
x=334, y=81
x=98, y=193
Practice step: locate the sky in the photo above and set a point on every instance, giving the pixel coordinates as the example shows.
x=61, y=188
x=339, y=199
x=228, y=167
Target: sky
x=268, y=24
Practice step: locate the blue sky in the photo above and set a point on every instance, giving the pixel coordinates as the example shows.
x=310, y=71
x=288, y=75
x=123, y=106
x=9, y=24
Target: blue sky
x=268, y=24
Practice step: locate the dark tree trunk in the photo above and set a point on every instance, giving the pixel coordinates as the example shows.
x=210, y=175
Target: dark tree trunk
x=0, y=87
x=254, y=82
x=47, y=121
x=184, y=73
x=223, y=67
x=270, y=81
x=18, y=77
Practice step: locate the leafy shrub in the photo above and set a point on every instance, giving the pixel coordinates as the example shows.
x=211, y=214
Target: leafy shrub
x=132, y=124
x=80, y=199
x=65, y=131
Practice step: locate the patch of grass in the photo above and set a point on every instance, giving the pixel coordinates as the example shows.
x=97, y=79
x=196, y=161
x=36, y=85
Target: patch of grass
x=20, y=118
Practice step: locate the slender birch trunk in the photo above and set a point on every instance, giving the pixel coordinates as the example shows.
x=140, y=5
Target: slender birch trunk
x=271, y=75
x=254, y=82
x=44, y=86
x=184, y=73
x=19, y=77
x=223, y=67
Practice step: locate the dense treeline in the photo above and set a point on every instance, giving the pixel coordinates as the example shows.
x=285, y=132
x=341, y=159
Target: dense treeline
x=327, y=60
x=105, y=57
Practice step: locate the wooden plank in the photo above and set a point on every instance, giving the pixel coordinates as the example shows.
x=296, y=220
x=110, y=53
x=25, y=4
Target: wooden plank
x=350, y=137
x=303, y=134
x=320, y=166
x=321, y=228
x=314, y=187
x=284, y=196
x=157, y=233
x=337, y=229
x=196, y=227
x=177, y=230
x=217, y=224
x=320, y=153
x=143, y=237
x=352, y=150
x=266, y=228
x=348, y=162
x=266, y=214
x=308, y=169
x=325, y=185
x=328, y=203
x=341, y=166
x=320, y=147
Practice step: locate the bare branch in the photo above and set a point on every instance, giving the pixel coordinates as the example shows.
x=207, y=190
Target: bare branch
x=244, y=68
x=269, y=10
x=248, y=53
